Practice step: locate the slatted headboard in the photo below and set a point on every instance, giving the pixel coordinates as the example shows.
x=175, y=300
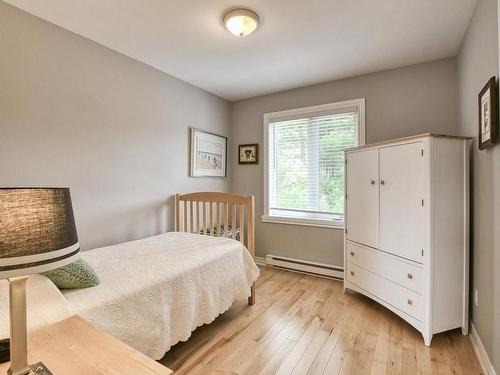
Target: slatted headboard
x=211, y=213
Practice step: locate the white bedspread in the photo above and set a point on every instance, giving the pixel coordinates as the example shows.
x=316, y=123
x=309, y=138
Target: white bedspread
x=154, y=292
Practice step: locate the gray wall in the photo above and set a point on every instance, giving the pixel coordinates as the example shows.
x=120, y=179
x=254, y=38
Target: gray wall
x=74, y=113
x=477, y=62
x=400, y=102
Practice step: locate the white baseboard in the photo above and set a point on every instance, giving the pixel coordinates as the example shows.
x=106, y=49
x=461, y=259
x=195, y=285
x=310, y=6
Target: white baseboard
x=482, y=356
x=300, y=266
x=260, y=261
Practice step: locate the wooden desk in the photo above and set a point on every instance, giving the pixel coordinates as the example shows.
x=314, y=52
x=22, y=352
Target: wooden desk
x=75, y=347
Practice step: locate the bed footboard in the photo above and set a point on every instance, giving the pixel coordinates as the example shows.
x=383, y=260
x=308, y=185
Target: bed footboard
x=220, y=215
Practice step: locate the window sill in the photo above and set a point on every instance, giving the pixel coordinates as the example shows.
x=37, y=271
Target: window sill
x=332, y=224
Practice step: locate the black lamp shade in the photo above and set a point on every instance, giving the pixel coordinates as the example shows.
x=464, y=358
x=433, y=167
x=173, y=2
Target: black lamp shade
x=37, y=230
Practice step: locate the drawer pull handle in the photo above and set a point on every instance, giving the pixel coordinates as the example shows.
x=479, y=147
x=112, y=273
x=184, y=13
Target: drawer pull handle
x=372, y=182
x=352, y=253
x=410, y=276
x=352, y=273
x=410, y=302
x=382, y=182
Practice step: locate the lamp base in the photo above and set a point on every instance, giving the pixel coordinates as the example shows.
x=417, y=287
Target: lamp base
x=36, y=369
x=39, y=369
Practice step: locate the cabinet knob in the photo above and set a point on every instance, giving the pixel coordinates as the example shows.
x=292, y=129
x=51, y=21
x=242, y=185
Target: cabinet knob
x=410, y=302
x=382, y=182
x=352, y=253
x=410, y=276
x=372, y=182
x=352, y=273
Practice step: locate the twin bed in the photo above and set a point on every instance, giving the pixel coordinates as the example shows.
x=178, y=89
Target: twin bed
x=155, y=291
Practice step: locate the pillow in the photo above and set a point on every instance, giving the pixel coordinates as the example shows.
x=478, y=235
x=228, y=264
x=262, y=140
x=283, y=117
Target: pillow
x=213, y=232
x=76, y=275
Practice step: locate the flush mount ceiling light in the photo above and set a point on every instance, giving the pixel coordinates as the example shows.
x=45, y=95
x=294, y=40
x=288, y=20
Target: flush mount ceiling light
x=241, y=22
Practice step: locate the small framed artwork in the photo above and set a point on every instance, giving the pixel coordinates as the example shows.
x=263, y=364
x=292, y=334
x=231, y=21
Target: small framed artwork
x=248, y=154
x=208, y=154
x=488, y=115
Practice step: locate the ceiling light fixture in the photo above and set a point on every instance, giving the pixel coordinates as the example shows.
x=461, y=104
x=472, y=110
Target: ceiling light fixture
x=241, y=22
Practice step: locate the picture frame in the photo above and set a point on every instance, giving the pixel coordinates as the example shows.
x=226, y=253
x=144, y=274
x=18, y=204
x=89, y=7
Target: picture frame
x=208, y=154
x=488, y=115
x=248, y=153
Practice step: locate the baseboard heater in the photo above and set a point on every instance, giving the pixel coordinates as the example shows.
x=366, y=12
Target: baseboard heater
x=304, y=266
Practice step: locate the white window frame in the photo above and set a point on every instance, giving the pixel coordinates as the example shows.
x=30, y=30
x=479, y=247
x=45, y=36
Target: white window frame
x=306, y=111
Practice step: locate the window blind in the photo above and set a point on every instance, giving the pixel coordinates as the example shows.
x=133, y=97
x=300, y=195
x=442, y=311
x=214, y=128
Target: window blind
x=306, y=164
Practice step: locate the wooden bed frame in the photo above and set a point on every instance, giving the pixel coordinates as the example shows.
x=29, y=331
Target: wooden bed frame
x=203, y=212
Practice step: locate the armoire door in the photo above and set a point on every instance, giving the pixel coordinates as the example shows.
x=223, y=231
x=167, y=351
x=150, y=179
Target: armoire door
x=402, y=192
x=362, y=203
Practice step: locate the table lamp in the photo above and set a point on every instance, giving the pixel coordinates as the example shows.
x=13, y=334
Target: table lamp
x=37, y=234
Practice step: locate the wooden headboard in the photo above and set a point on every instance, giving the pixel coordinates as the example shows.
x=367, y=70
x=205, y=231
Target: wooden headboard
x=207, y=213
x=213, y=213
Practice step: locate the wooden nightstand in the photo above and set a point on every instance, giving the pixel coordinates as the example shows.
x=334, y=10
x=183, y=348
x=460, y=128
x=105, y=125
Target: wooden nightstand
x=75, y=347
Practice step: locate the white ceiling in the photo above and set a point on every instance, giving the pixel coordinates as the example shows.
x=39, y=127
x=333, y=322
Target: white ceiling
x=300, y=42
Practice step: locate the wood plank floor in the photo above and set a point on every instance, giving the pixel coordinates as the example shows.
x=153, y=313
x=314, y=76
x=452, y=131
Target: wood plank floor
x=306, y=325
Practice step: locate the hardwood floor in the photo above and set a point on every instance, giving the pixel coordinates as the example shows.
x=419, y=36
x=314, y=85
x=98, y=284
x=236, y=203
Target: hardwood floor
x=306, y=325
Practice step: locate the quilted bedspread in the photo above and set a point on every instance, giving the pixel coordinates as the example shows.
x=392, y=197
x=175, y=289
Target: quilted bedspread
x=44, y=303
x=154, y=292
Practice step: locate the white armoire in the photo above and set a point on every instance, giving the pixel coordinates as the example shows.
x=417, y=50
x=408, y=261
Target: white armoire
x=407, y=229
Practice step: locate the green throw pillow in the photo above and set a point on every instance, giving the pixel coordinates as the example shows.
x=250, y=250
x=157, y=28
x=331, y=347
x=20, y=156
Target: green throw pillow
x=76, y=275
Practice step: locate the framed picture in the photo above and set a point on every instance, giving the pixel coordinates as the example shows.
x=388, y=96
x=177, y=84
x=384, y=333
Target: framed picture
x=488, y=115
x=208, y=154
x=248, y=154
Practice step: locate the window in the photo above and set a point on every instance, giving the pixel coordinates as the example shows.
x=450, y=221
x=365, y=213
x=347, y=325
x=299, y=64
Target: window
x=304, y=162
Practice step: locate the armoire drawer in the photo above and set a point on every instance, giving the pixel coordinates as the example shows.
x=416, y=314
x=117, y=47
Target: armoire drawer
x=403, y=299
x=388, y=266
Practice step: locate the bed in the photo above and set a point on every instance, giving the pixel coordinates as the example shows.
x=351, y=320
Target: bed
x=155, y=291
x=214, y=213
